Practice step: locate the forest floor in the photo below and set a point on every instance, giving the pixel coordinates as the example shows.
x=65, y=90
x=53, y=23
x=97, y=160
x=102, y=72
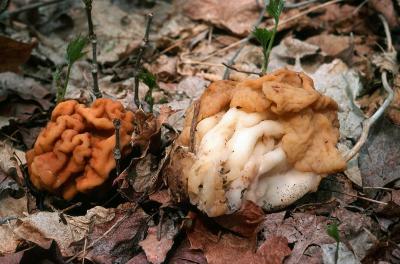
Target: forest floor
x=347, y=47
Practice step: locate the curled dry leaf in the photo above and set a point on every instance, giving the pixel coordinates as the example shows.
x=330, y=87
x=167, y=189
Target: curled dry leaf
x=237, y=18
x=20, y=98
x=43, y=227
x=142, y=173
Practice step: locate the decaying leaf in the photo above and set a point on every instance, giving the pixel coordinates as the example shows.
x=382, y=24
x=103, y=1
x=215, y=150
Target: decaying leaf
x=122, y=241
x=13, y=54
x=156, y=250
x=237, y=18
x=245, y=221
x=228, y=248
x=380, y=156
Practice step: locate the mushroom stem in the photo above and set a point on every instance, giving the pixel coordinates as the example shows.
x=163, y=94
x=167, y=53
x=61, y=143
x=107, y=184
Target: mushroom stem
x=93, y=40
x=137, y=68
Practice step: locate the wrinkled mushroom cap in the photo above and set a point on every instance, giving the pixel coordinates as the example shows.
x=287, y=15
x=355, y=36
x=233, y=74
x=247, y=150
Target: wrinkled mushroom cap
x=74, y=152
x=268, y=140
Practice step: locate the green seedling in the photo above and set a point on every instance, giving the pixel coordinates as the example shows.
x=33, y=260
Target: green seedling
x=333, y=231
x=74, y=53
x=150, y=80
x=266, y=37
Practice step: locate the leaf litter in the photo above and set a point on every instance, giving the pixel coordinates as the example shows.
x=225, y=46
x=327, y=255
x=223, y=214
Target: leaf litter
x=140, y=223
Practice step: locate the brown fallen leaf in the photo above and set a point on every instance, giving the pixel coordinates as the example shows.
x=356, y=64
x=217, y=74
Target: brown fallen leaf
x=228, y=248
x=50, y=254
x=245, y=221
x=324, y=41
x=386, y=7
x=120, y=243
x=157, y=250
x=186, y=255
x=238, y=18
x=14, y=53
x=275, y=249
x=139, y=259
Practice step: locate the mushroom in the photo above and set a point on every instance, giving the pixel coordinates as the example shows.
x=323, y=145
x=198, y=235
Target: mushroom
x=74, y=152
x=270, y=140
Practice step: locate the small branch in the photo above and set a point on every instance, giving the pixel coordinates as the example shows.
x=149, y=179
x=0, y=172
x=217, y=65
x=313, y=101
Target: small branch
x=93, y=40
x=137, y=68
x=231, y=61
x=196, y=110
x=389, y=44
x=242, y=71
x=301, y=4
x=117, y=149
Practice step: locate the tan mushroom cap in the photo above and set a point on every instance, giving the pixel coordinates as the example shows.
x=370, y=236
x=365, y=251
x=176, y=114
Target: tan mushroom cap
x=309, y=118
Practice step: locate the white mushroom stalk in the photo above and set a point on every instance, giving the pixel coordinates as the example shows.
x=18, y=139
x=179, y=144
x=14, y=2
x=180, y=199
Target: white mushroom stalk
x=269, y=141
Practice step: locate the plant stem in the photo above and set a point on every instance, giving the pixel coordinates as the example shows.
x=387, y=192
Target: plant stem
x=139, y=58
x=64, y=88
x=93, y=40
x=337, y=252
x=117, y=149
x=269, y=48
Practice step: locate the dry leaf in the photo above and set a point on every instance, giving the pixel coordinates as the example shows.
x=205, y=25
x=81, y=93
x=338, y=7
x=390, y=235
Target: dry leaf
x=244, y=221
x=156, y=250
x=237, y=18
x=228, y=248
x=13, y=54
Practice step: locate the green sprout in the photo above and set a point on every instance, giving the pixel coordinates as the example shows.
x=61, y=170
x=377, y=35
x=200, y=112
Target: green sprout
x=266, y=37
x=333, y=231
x=74, y=53
x=150, y=80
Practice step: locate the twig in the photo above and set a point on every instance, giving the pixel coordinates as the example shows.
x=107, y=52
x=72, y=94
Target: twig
x=159, y=227
x=368, y=123
x=301, y=4
x=305, y=12
x=389, y=45
x=236, y=69
x=70, y=207
x=231, y=61
x=29, y=7
x=93, y=40
x=355, y=196
x=196, y=110
x=7, y=219
x=137, y=68
x=84, y=251
x=117, y=149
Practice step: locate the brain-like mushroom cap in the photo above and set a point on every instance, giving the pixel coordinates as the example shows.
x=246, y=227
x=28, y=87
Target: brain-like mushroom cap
x=276, y=131
x=74, y=152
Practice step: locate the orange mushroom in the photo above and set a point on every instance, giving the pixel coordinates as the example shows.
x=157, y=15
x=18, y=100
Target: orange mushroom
x=269, y=140
x=74, y=152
